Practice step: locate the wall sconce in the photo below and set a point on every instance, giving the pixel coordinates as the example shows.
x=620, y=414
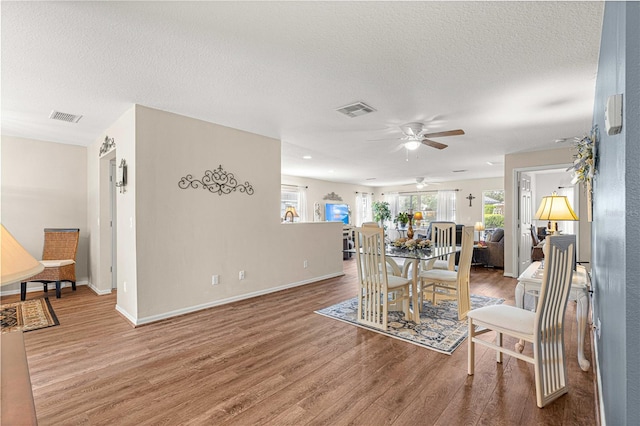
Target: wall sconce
x=122, y=184
x=290, y=210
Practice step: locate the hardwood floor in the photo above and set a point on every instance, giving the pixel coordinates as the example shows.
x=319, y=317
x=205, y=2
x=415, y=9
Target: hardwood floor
x=272, y=360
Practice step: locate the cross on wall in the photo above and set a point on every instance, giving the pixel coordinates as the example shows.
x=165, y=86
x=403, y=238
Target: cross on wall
x=470, y=197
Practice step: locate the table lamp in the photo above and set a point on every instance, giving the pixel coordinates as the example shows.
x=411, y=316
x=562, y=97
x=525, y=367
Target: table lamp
x=479, y=226
x=290, y=210
x=553, y=208
x=17, y=263
x=417, y=216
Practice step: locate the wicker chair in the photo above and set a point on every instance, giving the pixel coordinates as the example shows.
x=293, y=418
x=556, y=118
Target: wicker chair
x=58, y=258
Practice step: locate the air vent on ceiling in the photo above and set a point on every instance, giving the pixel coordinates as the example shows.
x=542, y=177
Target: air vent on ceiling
x=63, y=116
x=355, y=110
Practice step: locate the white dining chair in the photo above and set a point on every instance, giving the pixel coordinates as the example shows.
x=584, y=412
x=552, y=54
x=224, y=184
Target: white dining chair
x=377, y=288
x=443, y=234
x=449, y=284
x=544, y=328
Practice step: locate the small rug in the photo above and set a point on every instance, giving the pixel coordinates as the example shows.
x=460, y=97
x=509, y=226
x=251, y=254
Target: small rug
x=439, y=330
x=27, y=316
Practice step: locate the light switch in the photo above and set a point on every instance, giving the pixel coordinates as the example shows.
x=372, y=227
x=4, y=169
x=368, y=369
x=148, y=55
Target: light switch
x=613, y=114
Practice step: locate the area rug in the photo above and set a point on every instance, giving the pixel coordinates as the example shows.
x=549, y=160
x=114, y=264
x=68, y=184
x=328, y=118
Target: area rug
x=439, y=328
x=27, y=316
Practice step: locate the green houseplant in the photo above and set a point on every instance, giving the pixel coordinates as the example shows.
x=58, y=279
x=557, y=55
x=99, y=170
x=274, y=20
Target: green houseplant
x=381, y=212
x=402, y=219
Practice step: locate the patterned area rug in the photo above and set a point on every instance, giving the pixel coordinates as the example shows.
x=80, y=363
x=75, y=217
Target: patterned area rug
x=27, y=316
x=439, y=330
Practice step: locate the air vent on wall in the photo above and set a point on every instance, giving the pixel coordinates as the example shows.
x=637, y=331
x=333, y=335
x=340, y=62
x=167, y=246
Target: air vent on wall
x=355, y=110
x=63, y=116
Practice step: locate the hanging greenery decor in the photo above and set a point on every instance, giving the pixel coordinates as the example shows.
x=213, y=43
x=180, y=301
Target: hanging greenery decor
x=584, y=165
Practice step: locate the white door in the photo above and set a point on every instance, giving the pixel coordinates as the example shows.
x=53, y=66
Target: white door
x=525, y=214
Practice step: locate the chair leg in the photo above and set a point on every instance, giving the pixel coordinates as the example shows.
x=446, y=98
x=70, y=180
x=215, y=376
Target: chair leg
x=499, y=343
x=73, y=285
x=472, y=353
x=58, y=290
x=23, y=291
x=46, y=287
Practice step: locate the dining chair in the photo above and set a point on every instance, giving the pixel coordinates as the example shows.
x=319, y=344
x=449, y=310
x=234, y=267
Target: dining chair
x=543, y=328
x=448, y=284
x=376, y=285
x=59, y=260
x=443, y=234
x=537, y=246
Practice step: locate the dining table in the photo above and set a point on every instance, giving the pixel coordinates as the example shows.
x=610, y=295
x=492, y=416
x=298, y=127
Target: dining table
x=411, y=261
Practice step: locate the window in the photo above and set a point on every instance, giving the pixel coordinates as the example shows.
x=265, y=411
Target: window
x=435, y=205
x=295, y=196
x=363, y=209
x=493, y=209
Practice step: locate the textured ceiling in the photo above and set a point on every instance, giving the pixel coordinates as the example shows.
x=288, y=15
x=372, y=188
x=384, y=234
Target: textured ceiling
x=514, y=75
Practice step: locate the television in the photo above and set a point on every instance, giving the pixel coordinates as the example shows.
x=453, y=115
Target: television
x=336, y=213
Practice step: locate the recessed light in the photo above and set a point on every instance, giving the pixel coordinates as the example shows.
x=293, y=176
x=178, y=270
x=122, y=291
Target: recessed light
x=307, y=157
x=490, y=163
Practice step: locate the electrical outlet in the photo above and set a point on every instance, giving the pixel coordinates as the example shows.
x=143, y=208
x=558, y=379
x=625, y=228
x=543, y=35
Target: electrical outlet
x=305, y=264
x=598, y=328
x=215, y=279
x=241, y=275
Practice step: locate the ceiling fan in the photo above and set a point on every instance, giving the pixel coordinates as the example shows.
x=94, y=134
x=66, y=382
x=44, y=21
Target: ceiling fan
x=415, y=134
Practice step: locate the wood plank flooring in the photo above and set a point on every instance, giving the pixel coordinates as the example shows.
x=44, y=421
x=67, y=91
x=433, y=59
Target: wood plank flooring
x=272, y=361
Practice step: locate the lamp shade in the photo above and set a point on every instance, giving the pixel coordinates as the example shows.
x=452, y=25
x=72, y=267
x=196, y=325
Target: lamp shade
x=417, y=216
x=292, y=210
x=479, y=226
x=17, y=263
x=555, y=207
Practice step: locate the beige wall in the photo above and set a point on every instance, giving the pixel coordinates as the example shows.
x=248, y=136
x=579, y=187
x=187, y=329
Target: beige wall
x=318, y=189
x=44, y=185
x=182, y=237
x=465, y=214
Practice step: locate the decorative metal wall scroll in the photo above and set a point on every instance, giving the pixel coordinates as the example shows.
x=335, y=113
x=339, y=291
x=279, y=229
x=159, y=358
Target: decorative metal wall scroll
x=122, y=184
x=332, y=196
x=107, y=145
x=218, y=181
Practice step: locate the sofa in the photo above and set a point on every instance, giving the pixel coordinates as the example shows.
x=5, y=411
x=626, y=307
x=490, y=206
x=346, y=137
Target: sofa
x=495, y=245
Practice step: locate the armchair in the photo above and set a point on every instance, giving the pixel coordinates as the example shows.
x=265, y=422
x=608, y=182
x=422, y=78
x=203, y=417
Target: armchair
x=495, y=245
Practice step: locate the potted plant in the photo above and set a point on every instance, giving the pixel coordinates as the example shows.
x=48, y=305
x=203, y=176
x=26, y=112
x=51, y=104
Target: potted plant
x=381, y=212
x=402, y=219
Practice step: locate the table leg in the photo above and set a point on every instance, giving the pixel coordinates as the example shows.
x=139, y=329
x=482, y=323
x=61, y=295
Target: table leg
x=582, y=311
x=414, y=291
x=520, y=304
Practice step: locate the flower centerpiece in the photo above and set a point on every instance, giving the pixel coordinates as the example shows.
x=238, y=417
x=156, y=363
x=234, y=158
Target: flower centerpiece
x=410, y=244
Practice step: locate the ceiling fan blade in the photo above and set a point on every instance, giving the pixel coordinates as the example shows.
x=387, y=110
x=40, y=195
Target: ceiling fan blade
x=441, y=134
x=434, y=144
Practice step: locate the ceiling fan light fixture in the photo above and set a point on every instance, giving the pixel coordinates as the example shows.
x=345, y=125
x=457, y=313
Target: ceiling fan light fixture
x=412, y=145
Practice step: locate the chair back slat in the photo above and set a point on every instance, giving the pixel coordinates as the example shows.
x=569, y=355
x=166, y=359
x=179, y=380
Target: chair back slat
x=60, y=244
x=464, y=272
x=443, y=234
x=372, y=276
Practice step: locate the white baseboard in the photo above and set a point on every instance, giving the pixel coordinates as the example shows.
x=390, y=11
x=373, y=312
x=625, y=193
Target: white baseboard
x=99, y=292
x=34, y=287
x=594, y=336
x=154, y=318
